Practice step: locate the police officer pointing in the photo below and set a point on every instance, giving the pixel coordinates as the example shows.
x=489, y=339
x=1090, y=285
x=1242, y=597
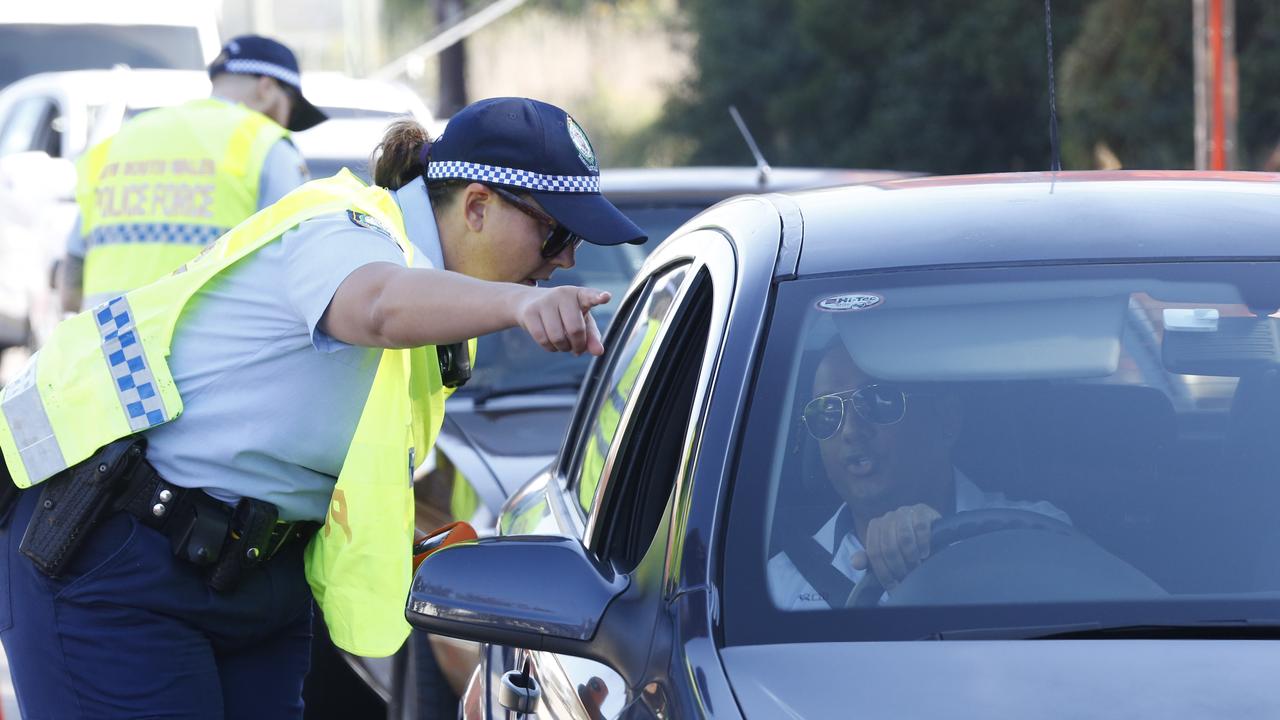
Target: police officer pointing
x=207, y=453
x=173, y=179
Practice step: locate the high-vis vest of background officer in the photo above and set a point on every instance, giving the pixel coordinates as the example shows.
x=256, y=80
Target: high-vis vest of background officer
x=103, y=376
x=169, y=183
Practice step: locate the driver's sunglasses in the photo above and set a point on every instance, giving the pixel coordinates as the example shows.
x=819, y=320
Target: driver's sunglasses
x=558, y=237
x=875, y=403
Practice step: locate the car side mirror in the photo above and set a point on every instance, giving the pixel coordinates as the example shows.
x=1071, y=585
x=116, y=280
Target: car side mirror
x=536, y=592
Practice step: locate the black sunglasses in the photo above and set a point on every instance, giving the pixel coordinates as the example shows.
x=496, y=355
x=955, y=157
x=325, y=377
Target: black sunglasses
x=875, y=403
x=558, y=238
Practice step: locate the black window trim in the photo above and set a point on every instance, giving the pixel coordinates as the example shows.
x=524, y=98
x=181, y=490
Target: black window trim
x=624, y=421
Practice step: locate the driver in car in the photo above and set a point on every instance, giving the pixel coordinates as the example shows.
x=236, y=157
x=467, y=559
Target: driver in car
x=887, y=452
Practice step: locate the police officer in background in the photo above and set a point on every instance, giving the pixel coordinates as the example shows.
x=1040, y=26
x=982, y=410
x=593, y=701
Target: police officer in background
x=213, y=450
x=174, y=179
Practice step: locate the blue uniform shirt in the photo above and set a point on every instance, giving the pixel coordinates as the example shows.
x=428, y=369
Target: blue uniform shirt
x=271, y=401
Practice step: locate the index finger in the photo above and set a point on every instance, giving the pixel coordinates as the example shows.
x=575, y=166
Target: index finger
x=591, y=297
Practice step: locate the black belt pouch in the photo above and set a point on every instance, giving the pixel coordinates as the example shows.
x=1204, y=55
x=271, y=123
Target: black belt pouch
x=73, y=502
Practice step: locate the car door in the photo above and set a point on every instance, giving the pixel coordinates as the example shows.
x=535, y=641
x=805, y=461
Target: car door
x=627, y=445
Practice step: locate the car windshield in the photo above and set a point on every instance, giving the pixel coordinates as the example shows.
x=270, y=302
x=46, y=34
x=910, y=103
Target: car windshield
x=26, y=49
x=1078, y=447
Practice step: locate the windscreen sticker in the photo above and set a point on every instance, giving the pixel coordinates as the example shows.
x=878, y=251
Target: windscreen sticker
x=849, y=302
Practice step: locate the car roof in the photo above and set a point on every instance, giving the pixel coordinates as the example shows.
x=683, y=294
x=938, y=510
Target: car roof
x=349, y=140
x=1040, y=217
x=335, y=90
x=136, y=88
x=200, y=15
x=709, y=184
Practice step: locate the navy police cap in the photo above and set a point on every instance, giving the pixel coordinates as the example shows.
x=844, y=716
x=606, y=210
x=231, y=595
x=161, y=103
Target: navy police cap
x=532, y=147
x=257, y=55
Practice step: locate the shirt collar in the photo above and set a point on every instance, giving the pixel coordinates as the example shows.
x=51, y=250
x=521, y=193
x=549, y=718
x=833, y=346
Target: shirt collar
x=420, y=221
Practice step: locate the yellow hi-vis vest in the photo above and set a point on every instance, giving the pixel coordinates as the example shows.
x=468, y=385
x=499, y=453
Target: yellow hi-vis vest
x=103, y=375
x=168, y=184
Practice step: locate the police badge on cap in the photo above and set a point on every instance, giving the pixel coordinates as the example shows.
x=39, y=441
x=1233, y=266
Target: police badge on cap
x=580, y=142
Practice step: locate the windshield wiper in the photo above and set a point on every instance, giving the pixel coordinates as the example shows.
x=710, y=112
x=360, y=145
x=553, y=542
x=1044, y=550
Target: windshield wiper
x=484, y=394
x=1225, y=629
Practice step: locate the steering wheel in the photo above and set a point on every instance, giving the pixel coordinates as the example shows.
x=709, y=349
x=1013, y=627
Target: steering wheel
x=958, y=528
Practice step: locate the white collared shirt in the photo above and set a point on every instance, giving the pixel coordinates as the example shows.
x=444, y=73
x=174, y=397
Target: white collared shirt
x=790, y=590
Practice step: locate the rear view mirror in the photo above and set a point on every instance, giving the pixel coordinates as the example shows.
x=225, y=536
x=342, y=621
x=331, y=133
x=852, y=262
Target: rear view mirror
x=1206, y=344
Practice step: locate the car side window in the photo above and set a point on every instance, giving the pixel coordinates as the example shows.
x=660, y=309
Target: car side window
x=31, y=126
x=611, y=396
x=651, y=443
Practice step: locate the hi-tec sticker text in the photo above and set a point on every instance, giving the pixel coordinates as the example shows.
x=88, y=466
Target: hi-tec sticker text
x=849, y=302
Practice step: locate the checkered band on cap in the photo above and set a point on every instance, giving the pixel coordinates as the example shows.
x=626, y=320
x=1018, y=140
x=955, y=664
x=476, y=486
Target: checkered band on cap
x=143, y=233
x=258, y=67
x=134, y=383
x=453, y=169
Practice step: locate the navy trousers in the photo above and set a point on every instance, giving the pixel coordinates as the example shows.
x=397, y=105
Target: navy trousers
x=130, y=631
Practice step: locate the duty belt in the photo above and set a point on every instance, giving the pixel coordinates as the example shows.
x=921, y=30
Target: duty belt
x=206, y=531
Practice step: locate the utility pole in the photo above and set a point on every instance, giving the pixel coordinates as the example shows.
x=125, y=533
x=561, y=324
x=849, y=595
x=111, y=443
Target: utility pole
x=453, y=61
x=1216, y=83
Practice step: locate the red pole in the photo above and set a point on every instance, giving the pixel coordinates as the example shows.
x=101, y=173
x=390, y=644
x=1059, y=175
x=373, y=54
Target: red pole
x=1218, y=132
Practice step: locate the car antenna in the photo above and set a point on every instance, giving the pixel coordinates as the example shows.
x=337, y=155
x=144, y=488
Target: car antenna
x=1053, y=105
x=762, y=165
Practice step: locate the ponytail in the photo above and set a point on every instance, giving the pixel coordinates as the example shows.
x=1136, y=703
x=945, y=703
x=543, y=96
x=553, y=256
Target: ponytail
x=402, y=157
x=397, y=160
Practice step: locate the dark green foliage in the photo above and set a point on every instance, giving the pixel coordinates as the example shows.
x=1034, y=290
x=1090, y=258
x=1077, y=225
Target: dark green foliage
x=943, y=86
x=1127, y=83
x=1258, y=49
x=931, y=85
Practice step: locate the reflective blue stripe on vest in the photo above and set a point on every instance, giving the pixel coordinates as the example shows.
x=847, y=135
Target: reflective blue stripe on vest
x=176, y=233
x=134, y=383
x=38, y=449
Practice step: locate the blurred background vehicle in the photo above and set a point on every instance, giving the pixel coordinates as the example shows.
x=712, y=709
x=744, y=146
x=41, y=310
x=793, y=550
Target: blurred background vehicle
x=38, y=37
x=359, y=111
